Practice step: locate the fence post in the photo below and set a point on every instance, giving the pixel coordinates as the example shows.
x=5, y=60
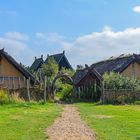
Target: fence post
x=28, y=89
x=9, y=83
x=13, y=83
x=79, y=92
x=45, y=88
x=24, y=85
x=19, y=82
x=103, y=92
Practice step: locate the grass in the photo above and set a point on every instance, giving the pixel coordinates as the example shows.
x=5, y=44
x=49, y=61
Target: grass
x=112, y=122
x=27, y=121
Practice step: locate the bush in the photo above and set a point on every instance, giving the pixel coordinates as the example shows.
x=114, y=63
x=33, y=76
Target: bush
x=117, y=81
x=65, y=92
x=3, y=97
x=137, y=102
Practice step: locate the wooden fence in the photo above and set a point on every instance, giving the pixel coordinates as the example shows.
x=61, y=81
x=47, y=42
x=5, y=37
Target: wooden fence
x=22, y=88
x=120, y=96
x=13, y=82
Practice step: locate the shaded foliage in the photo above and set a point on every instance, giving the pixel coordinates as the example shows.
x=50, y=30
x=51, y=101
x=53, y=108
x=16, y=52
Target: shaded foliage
x=117, y=81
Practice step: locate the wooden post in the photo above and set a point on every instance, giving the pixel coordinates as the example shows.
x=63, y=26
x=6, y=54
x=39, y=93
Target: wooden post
x=3, y=79
x=95, y=87
x=103, y=92
x=25, y=84
x=19, y=82
x=28, y=89
x=79, y=92
x=13, y=83
x=9, y=83
x=45, y=82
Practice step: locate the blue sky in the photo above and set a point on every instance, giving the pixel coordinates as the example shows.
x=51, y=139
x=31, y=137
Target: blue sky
x=89, y=30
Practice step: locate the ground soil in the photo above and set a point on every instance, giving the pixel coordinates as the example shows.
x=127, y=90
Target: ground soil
x=70, y=126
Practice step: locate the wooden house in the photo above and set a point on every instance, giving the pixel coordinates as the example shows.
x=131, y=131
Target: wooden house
x=12, y=74
x=86, y=81
x=60, y=59
x=37, y=63
x=127, y=65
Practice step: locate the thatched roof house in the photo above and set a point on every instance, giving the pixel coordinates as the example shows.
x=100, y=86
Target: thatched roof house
x=60, y=59
x=86, y=76
x=10, y=70
x=128, y=65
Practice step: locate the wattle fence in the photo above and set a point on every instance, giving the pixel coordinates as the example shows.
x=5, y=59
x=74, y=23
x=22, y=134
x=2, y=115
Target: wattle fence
x=121, y=96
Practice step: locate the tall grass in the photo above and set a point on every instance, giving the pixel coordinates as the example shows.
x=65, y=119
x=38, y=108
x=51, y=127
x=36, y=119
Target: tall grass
x=4, y=97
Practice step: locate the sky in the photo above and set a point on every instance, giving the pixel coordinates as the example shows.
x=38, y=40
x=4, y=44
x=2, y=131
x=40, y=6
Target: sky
x=88, y=30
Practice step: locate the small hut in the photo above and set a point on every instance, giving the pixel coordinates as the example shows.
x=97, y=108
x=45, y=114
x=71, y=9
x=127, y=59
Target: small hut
x=87, y=83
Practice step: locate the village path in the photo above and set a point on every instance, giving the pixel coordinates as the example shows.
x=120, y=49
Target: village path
x=70, y=126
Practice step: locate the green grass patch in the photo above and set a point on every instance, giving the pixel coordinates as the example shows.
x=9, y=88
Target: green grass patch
x=112, y=122
x=27, y=121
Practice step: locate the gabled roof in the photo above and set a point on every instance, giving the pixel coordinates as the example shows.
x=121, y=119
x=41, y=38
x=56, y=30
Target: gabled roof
x=80, y=74
x=58, y=57
x=116, y=64
x=37, y=63
x=11, y=60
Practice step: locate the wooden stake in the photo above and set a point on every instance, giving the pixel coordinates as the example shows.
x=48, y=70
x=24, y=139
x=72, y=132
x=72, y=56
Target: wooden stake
x=103, y=91
x=45, y=82
x=79, y=92
x=28, y=89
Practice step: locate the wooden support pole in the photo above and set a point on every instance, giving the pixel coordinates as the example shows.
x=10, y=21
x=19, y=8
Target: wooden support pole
x=103, y=92
x=45, y=86
x=28, y=89
x=19, y=82
x=79, y=91
x=8, y=82
x=13, y=83
x=25, y=84
x=95, y=87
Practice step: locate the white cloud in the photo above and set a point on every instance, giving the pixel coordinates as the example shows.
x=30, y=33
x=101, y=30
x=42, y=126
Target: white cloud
x=87, y=48
x=12, y=44
x=15, y=43
x=136, y=9
x=40, y=35
x=50, y=37
x=17, y=36
x=101, y=45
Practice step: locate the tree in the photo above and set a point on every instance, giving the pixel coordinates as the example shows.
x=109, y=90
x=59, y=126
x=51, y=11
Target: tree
x=50, y=69
x=68, y=71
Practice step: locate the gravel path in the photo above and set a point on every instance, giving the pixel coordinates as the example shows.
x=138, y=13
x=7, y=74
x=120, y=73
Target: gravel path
x=70, y=127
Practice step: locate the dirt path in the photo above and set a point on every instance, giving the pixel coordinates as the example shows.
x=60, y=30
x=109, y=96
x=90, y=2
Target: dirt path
x=70, y=127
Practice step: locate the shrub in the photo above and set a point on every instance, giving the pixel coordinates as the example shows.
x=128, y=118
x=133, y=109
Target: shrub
x=65, y=92
x=3, y=97
x=117, y=81
x=137, y=102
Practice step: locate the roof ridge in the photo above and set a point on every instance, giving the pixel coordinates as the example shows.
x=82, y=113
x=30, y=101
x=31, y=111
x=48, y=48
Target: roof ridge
x=114, y=58
x=55, y=54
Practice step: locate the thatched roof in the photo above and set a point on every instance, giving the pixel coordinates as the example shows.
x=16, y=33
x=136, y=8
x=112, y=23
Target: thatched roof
x=80, y=74
x=11, y=60
x=37, y=63
x=116, y=64
x=60, y=59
